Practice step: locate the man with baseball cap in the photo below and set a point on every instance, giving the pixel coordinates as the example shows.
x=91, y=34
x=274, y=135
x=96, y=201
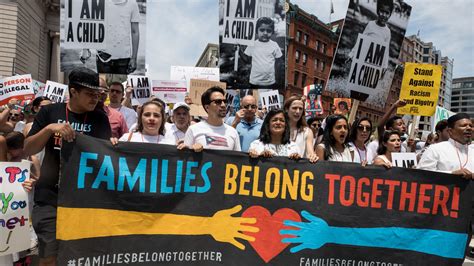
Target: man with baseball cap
x=175, y=132
x=53, y=124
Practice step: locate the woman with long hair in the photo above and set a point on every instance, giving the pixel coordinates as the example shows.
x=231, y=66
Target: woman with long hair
x=274, y=139
x=150, y=125
x=359, y=136
x=334, y=146
x=390, y=142
x=300, y=134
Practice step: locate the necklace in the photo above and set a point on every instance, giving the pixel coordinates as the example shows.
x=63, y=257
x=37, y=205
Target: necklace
x=360, y=155
x=459, y=157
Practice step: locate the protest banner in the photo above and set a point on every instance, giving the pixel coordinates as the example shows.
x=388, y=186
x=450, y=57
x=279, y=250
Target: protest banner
x=103, y=35
x=367, y=53
x=249, y=58
x=136, y=203
x=187, y=73
x=440, y=114
x=404, y=159
x=343, y=106
x=199, y=86
x=240, y=19
x=141, y=89
x=38, y=87
x=420, y=89
x=170, y=91
x=14, y=215
x=56, y=92
x=19, y=87
x=270, y=100
x=314, y=104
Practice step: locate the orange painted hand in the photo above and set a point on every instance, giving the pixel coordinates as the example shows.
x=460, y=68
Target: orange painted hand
x=225, y=228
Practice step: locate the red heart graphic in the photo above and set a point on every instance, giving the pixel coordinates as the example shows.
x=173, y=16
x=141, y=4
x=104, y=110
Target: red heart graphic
x=268, y=240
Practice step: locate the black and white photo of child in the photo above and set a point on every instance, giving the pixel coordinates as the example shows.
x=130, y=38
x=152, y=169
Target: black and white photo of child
x=384, y=20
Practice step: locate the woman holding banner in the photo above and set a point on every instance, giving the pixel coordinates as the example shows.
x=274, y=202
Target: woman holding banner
x=334, y=146
x=391, y=142
x=150, y=125
x=274, y=139
x=300, y=134
x=359, y=137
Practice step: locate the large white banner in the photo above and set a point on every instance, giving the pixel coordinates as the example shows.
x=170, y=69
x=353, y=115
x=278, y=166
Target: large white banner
x=187, y=73
x=19, y=87
x=14, y=215
x=170, y=91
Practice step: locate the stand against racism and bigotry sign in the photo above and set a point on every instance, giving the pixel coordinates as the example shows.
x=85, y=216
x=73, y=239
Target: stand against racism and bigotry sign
x=14, y=205
x=252, y=44
x=107, y=36
x=141, y=89
x=420, y=89
x=145, y=204
x=56, y=92
x=18, y=87
x=368, y=49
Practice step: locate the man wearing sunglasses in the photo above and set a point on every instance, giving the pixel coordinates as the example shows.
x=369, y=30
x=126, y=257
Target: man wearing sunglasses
x=246, y=122
x=213, y=133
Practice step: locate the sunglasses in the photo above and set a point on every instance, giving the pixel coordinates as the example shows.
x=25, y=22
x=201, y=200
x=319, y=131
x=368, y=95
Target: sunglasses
x=219, y=101
x=364, y=128
x=250, y=106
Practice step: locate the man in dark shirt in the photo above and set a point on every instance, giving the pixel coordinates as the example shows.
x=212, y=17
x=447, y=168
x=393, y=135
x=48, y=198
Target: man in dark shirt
x=52, y=125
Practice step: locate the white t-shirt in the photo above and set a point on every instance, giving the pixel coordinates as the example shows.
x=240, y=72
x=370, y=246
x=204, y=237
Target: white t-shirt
x=172, y=134
x=139, y=137
x=119, y=30
x=276, y=149
x=381, y=33
x=223, y=137
x=447, y=156
x=359, y=155
x=300, y=140
x=129, y=115
x=263, y=62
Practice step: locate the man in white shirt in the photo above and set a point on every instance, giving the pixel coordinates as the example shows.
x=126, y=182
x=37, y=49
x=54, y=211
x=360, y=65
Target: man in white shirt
x=213, y=133
x=116, y=91
x=175, y=132
x=456, y=155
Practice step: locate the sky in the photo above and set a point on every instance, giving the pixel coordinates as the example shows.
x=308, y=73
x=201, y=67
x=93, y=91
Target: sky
x=179, y=30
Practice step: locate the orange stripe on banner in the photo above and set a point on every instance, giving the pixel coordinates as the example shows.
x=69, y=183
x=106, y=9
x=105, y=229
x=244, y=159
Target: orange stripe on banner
x=79, y=223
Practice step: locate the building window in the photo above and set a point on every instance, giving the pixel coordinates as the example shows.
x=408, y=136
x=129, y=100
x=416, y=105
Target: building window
x=297, y=56
x=426, y=59
x=303, y=80
x=315, y=81
x=295, y=81
x=305, y=39
x=426, y=50
x=316, y=64
x=318, y=46
x=323, y=66
x=305, y=58
x=298, y=36
x=324, y=48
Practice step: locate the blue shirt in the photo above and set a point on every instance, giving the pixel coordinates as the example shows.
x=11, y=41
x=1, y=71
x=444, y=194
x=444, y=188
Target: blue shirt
x=248, y=132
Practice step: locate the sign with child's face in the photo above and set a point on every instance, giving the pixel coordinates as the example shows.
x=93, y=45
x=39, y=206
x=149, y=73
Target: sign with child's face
x=367, y=53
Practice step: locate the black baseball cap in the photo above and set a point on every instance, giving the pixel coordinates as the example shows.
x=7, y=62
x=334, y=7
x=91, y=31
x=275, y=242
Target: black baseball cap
x=84, y=77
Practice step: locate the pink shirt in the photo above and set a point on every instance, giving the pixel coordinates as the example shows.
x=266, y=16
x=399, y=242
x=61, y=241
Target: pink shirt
x=116, y=121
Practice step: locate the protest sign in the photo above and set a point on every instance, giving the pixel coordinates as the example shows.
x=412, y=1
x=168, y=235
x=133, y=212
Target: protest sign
x=249, y=58
x=103, y=35
x=141, y=89
x=240, y=19
x=367, y=53
x=170, y=91
x=420, y=89
x=187, y=73
x=343, y=106
x=404, y=159
x=14, y=215
x=56, y=92
x=440, y=114
x=19, y=87
x=199, y=86
x=233, y=102
x=38, y=87
x=252, y=211
x=270, y=100
x=314, y=104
